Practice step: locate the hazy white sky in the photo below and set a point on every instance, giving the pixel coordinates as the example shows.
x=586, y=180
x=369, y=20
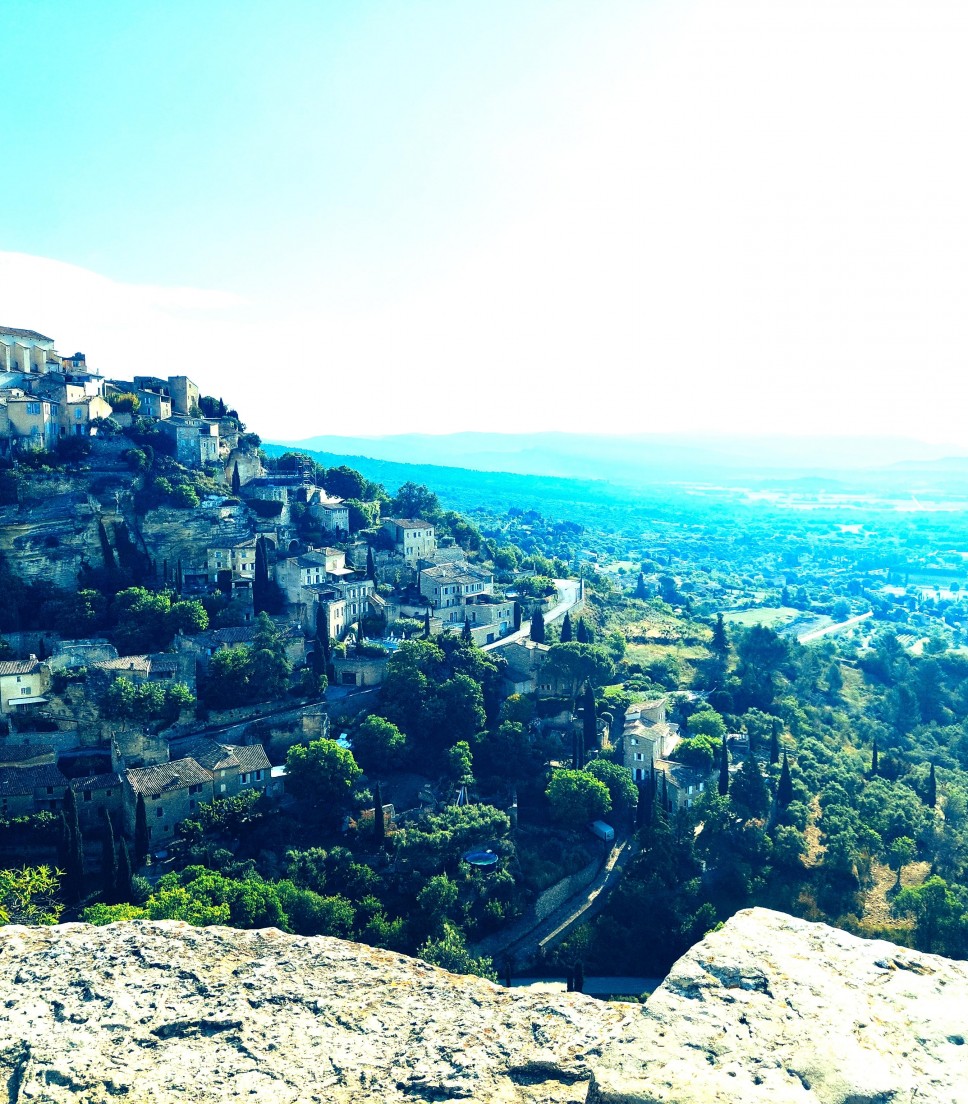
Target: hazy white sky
x=385, y=217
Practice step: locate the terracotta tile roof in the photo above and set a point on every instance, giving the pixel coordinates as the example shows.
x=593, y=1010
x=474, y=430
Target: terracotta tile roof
x=10, y=331
x=251, y=757
x=137, y=663
x=96, y=782
x=167, y=776
x=209, y=753
x=19, y=666
x=18, y=781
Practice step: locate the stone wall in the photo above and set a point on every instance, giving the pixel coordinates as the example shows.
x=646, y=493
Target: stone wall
x=556, y=895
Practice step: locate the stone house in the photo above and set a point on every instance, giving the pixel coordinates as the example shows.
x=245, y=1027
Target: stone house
x=231, y=566
x=360, y=670
x=525, y=671
x=413, y=538
x=683, y=784
x=94, y=793
x=202, y=646
x=184, y=394
x=171, y=791
x=320, y=579
x=195, y=440
x=32, y=422
x=647, y=737
x=23, y=684
x=451, y=587
x=25, y=350
x=26, y=790
x=332, y=513
x=234, y=767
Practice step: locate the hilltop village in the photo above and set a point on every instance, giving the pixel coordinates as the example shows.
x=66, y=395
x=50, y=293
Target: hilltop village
x=241, y=687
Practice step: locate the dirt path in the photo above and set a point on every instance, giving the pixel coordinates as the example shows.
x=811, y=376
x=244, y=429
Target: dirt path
x=877, y=900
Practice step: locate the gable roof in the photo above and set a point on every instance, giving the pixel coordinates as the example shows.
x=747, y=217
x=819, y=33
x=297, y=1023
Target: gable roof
x=167, y=776
x=18, y=781
x=11, y=331
x=20, y=666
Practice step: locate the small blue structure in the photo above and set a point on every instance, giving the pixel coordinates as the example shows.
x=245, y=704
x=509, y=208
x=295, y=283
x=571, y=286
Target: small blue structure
x=481, y=859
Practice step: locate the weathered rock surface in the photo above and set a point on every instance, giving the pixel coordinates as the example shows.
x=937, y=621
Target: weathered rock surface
x=767, y=1009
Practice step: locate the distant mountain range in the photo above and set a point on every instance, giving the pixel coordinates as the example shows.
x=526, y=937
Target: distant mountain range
x=651, y=459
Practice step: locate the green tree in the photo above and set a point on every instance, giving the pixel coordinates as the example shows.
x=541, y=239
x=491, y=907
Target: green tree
x=28, y=895
x=378, y=744
x=141, y=837
x=537, y=626
x=720, y=640
x=459, y=764
x=749, y=793
x=784, y=787
x=707, y=722
x=576, y=798
x=622, y=791
x=109, y=859
x=566, y=632
x=723, y=786
x=72, y=849
x=124, y=874
x=413, y=500
x=449, y=950
x=322, y=774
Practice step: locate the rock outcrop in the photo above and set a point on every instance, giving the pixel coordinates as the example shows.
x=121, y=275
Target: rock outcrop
x=767, y=1009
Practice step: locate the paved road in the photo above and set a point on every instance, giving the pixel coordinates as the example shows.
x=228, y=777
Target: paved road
x=815, y=634
x=569, y=591
x=524, y=939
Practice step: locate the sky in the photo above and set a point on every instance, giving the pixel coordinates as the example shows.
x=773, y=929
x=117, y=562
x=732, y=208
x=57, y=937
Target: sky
x=434, y=215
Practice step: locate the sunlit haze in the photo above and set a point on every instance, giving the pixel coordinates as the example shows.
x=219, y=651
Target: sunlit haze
x=377, y=218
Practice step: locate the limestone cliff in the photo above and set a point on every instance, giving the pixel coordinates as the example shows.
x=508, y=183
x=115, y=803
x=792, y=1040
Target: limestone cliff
x=767, y=1009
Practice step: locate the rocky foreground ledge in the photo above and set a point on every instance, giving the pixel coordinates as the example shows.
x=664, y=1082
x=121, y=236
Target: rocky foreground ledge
x=768, y=1009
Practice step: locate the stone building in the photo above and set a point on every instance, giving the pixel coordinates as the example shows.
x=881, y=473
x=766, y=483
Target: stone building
x=647, y=737
x=23, y=684
x=171, y=791
x=26, y=790
x=413, y=538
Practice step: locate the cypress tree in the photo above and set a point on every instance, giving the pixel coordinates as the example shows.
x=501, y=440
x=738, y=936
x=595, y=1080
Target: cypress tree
x=874, y=758
x=426, y=628
x=723, y=769
x=720, y=641
x=236, y=480
x=566, y=634
x=590, y=719
x=517, y=616
x=379, y=825
x=140, y=832
x=107, y=552
x=584, y=633
x=537, y=626
x=932, y=799
x=109, y=860
x=122, y=889
x=775, y=744
x=74, y=850
x=784, y=787
x=579, y=977
x=641, y=590
x=465, y=633
x=260, y=581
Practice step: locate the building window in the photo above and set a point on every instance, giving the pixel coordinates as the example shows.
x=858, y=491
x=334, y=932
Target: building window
x=160, y=811
x=33, y=408
x=25, y=691
x=50, y=789
x=87, y=795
